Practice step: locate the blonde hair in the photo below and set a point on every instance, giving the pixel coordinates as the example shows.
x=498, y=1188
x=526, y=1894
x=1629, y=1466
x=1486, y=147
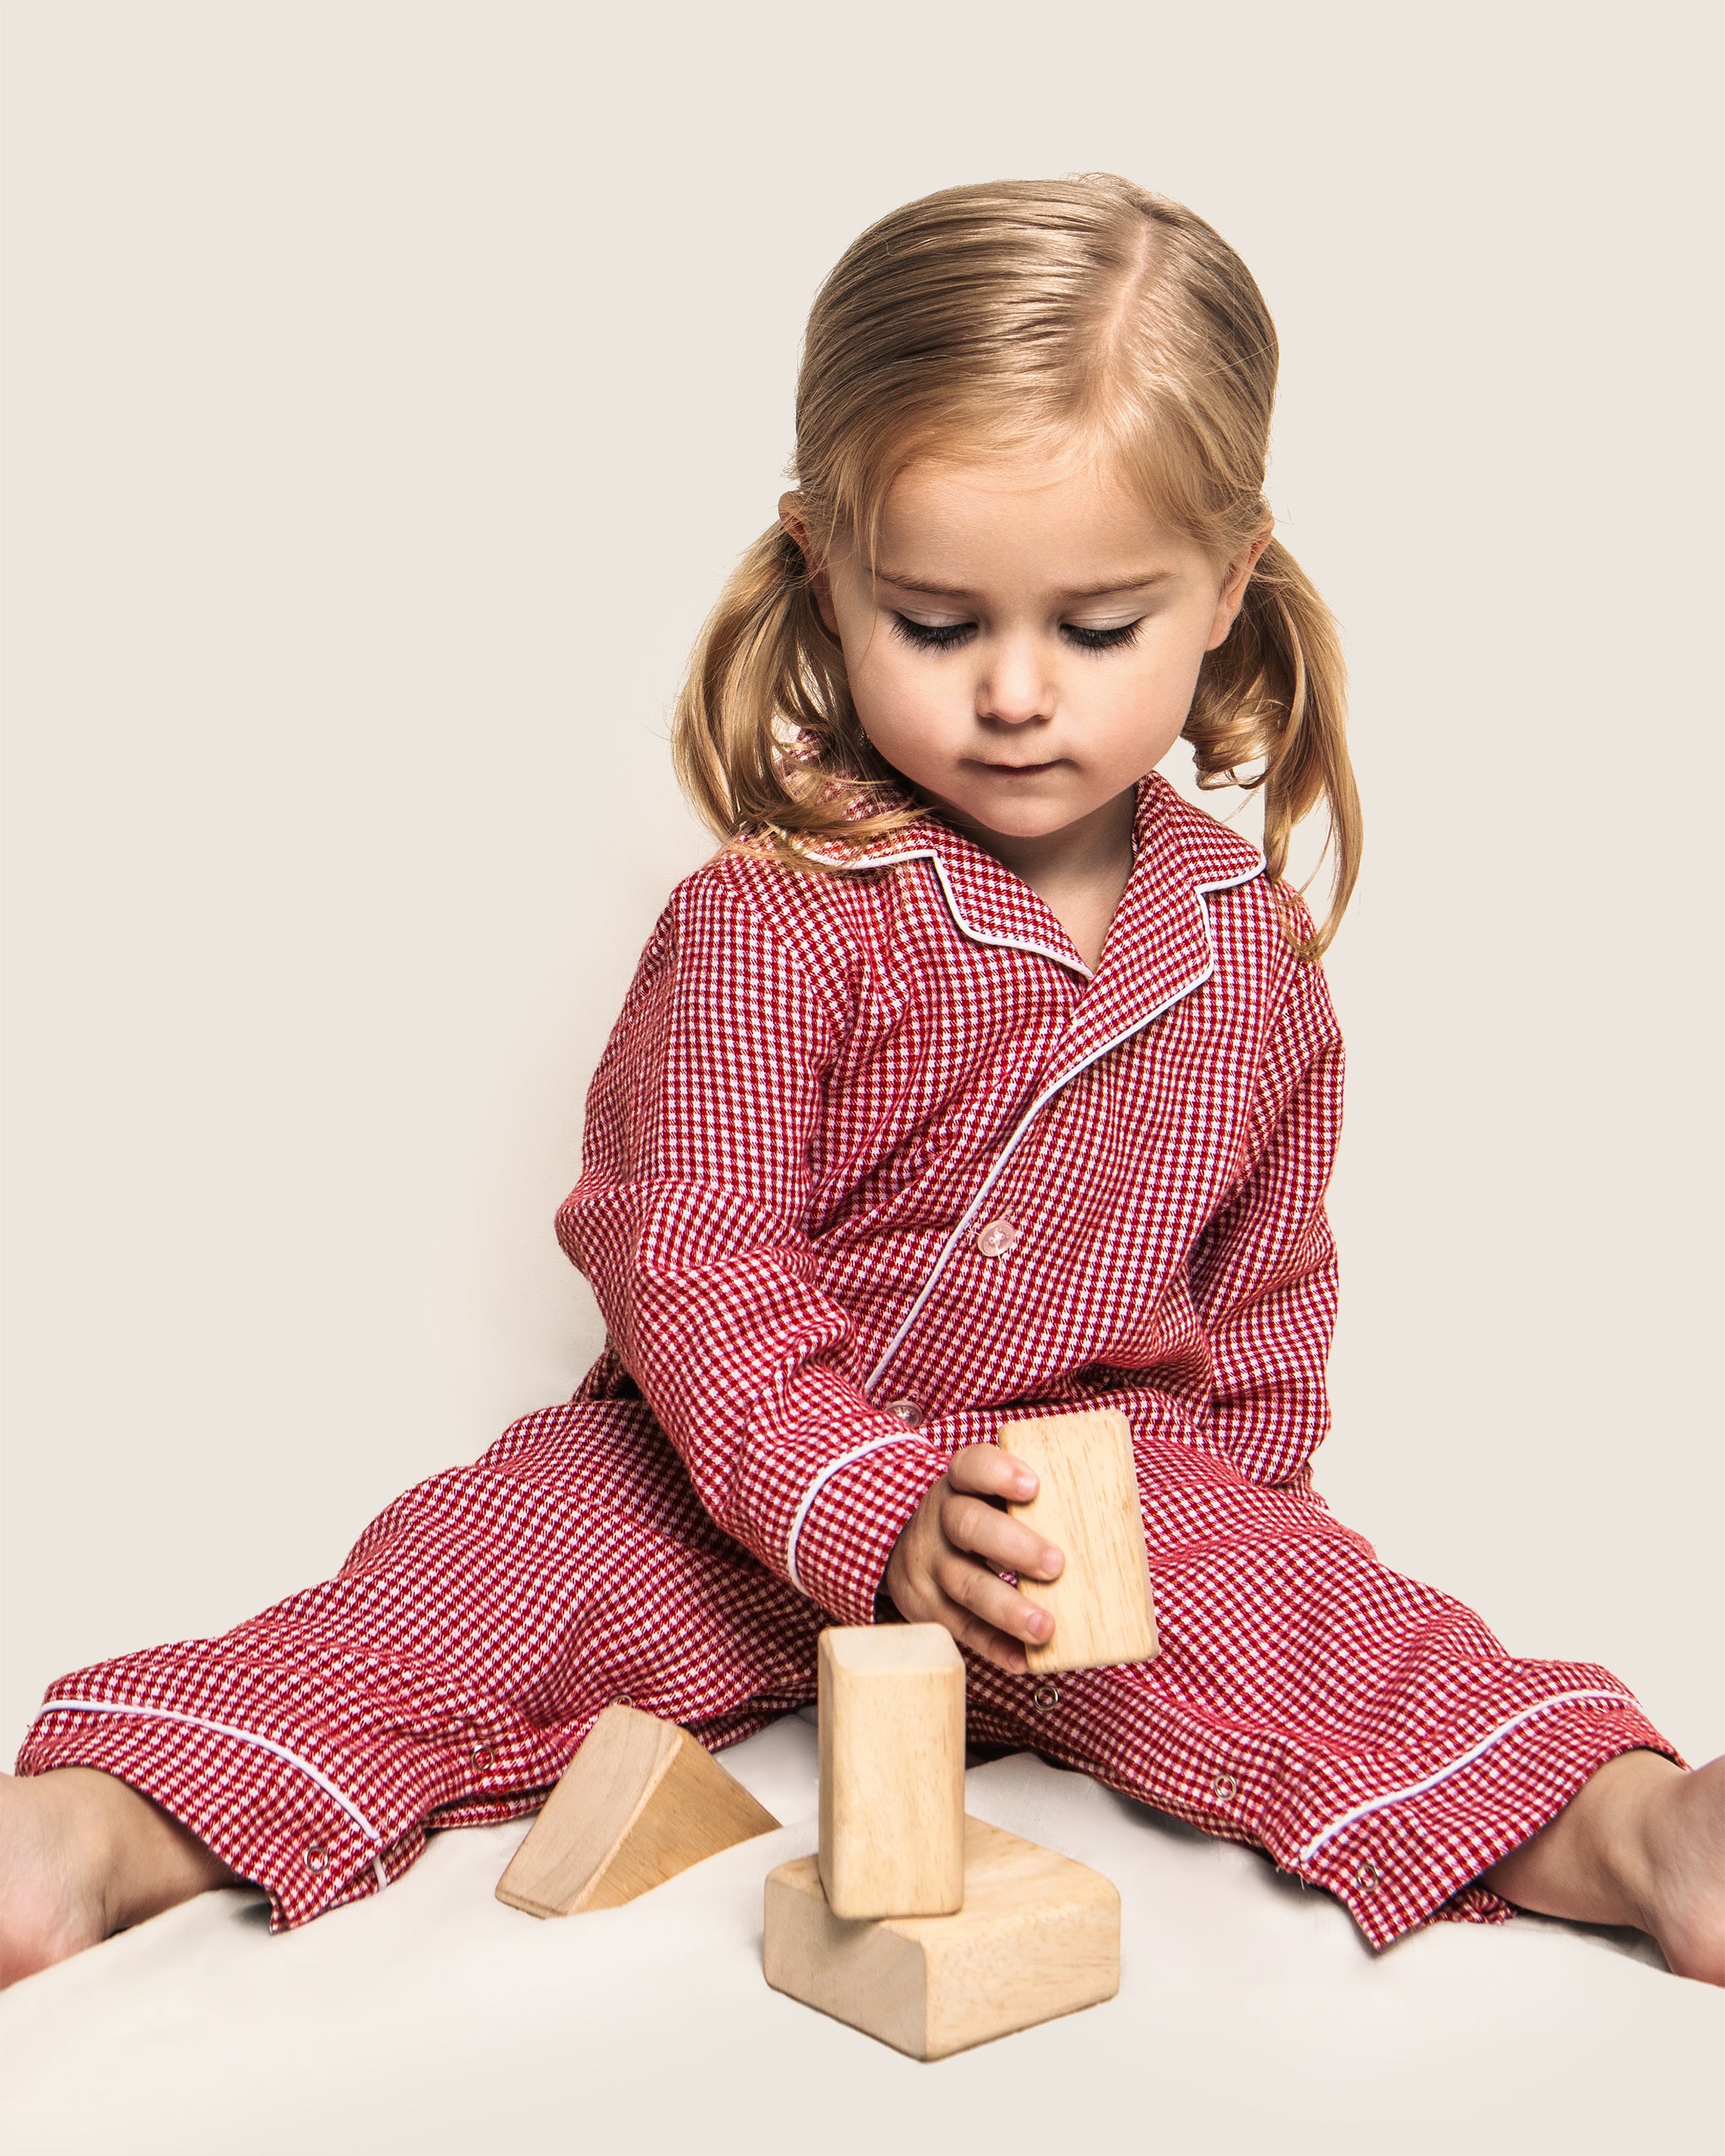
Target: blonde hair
x=1010, y=315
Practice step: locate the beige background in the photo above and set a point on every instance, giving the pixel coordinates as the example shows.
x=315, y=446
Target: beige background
x=388, y=388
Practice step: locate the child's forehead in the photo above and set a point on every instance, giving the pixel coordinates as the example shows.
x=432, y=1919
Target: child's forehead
x=1077, y=519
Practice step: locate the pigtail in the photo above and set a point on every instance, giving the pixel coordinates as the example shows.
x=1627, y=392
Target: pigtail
x=765, y=737
x=1275, y=694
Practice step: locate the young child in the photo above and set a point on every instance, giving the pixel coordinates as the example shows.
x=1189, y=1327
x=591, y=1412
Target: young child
x=977, y=1075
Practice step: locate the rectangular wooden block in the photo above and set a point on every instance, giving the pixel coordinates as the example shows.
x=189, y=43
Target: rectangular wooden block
x=1039, y=1936
x=640, y=1801
x=891, y=1770
x=1087, y=1505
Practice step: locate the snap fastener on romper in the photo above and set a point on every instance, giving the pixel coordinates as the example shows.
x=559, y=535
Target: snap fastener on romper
x=1366, y=1877
x=1046, y=1696
x=482, y=1757
x=316, y=1856
x=1225, y=1786
x=997, y=1238
x=907, y=1411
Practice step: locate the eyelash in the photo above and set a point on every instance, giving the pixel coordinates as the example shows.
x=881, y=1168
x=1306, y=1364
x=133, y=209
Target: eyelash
x=923, y=638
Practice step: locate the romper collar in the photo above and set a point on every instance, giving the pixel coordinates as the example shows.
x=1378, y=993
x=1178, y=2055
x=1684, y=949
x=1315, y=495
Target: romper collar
x=1158, y=945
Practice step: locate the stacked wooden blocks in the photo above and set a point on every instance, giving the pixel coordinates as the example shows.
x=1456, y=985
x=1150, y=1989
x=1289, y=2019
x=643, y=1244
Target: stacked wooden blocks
x=923, y=1928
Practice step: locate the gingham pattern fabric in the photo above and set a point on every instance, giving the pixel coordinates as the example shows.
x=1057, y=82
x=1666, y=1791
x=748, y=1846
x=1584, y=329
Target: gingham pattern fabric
x=872, y=1163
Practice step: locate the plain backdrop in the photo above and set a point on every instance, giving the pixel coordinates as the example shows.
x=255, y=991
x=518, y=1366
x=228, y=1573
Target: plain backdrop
x=387, y=391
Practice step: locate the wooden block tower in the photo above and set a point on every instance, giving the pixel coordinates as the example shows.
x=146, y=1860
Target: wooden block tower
x=929, y=1930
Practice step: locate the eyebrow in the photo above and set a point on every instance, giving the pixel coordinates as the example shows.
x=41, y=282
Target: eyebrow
x=1082, y=592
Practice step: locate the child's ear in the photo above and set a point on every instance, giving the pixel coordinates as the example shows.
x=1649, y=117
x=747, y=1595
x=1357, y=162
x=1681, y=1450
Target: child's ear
x=819, y=580
x=1238, y=576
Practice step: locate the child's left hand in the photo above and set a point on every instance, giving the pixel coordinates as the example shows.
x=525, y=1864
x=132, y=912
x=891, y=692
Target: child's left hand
x=946, y=1565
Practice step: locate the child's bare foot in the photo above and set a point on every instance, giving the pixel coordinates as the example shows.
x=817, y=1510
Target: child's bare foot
x=81, y=1855
x=1643, y=1843
x=51, y=1901
x=1685, y=1908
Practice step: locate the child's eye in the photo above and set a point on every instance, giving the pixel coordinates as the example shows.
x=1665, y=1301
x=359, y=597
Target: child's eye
x=1102, y=639
x=925, y=637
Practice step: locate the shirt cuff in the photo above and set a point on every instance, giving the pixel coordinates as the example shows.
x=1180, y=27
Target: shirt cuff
x=850, y=1517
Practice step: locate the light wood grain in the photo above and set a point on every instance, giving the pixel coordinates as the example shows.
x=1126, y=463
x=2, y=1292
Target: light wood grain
x=1087, y=1505
x=1039, y=1936
x=640, y=1802
x=891, y=1770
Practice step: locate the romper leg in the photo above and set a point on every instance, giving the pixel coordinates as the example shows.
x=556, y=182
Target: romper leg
x=448, y=1671
x=1367, y=1731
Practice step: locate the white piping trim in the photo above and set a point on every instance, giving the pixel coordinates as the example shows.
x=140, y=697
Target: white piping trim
x=1201, y=891
x=221, y=1729
x=968, y=928
x=1465, y=1759
x=819, y=1483
x=382, y=1875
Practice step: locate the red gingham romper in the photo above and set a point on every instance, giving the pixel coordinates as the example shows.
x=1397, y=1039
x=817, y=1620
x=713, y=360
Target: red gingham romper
x=872, y=1161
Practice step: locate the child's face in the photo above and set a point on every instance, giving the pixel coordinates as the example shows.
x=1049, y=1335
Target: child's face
x=1028, y=647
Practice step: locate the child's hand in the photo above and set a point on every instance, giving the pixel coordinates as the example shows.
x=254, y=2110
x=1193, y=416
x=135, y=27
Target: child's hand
x=945, y=1566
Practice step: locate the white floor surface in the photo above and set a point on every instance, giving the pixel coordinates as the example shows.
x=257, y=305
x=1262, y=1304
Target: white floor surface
x=1250, y=2018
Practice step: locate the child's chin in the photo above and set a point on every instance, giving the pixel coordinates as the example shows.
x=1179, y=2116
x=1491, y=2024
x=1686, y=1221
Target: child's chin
x=1027, y=808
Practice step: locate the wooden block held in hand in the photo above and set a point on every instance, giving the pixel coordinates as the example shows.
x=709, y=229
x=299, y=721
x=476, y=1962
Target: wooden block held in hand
x=640, y=1801
x=1086, y=1504
x=1038, y=1936
x=891, y=1770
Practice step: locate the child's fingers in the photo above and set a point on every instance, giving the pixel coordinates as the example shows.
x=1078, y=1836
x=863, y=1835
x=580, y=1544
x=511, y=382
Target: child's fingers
x=986, y=1471
x=971, y=1523
x=975, y=1632
x=971, y=1587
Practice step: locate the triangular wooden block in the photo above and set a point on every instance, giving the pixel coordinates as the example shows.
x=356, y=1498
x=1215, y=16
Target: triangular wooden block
x=639, y=1802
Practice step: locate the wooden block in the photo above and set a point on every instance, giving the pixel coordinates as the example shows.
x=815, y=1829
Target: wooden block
x=1087, y=1505
x=891, y=1770
x=1038, y=1936
x=639, y=1802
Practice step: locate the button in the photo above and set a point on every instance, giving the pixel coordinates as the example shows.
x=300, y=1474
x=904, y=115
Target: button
x=482, y=1757
x=1225, y=1787
x=1046, y=1696
x=907, y=1411
x=999, y=1237
x=317, y=1857
x=1366, y=1877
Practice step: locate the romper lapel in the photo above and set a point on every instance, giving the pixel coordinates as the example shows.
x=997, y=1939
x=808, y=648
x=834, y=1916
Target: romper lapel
x=1159, y=947
x=985, y=903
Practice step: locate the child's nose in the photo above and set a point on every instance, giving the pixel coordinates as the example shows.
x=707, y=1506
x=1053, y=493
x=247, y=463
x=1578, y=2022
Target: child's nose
x=1014, y=689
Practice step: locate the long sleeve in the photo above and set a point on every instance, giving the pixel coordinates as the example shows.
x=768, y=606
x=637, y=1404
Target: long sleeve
x=689, y=1220
x=1262, y=1273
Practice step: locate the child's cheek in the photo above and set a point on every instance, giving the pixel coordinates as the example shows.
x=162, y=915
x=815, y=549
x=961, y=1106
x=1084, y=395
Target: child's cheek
x=907, y=709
